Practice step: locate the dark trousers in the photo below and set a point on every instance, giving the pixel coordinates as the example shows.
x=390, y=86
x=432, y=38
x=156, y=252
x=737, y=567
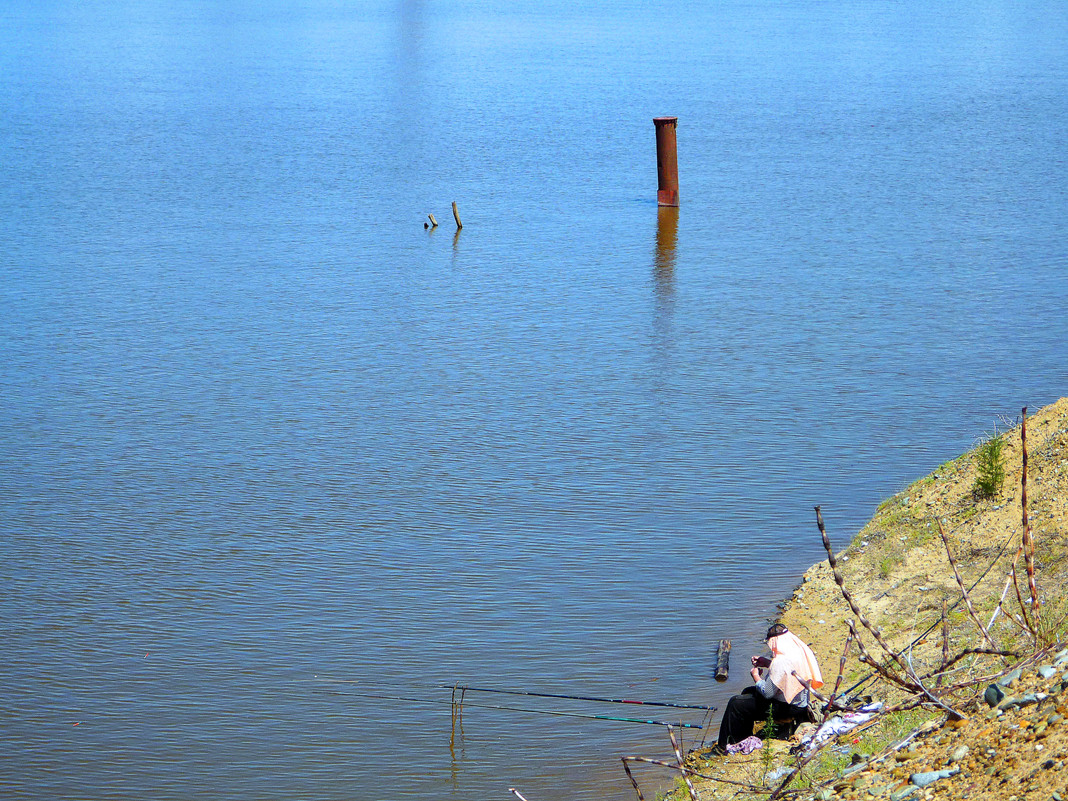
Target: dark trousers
x=746, y=709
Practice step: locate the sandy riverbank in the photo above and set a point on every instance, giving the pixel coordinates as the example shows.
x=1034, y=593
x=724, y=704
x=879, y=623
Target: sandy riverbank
x=896, y=568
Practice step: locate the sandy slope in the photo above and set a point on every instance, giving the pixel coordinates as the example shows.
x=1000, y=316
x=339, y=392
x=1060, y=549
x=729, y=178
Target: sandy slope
x=897, y=569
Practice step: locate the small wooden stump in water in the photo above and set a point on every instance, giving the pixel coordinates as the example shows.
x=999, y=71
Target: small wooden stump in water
x=432, y=220
x=723, y=659
x=456, y=216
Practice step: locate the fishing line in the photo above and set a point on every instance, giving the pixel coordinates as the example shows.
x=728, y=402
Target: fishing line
x=575, y=697
x=519, y=709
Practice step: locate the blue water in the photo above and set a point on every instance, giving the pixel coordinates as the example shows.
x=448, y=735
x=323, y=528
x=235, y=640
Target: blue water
x=267, y=446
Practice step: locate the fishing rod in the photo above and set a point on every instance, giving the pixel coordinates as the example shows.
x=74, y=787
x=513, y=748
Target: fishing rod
x=679, y=725
x=575, y=697
x=468, y=688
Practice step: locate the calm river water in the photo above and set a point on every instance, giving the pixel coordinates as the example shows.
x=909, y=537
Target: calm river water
x=268, y=447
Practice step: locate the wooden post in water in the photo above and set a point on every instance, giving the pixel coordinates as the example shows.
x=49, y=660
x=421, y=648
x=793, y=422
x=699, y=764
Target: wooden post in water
x=456, y=216
x=723, y=659
x=667, y=161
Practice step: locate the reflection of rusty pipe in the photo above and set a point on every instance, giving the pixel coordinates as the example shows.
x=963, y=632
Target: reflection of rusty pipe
x=667, y=237
x=667, y=161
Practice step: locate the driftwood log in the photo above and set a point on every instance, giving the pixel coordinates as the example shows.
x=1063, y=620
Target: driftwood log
x=723, y=659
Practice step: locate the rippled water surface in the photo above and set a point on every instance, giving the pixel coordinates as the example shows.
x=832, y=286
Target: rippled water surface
x=268, y=447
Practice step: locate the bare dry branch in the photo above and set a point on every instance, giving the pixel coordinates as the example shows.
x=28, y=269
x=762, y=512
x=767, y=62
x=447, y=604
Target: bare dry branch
x=912, y=672
x=963, y=589
x=945, y=643
x=841, y=670
x=904, y=706
x=630, y=776
x=682, y=767
x=880, y=668
x=974, y=683
x=1028, y=539
x=967, y=652
x=689, y=771
x=849, y=597
x=1028, y=625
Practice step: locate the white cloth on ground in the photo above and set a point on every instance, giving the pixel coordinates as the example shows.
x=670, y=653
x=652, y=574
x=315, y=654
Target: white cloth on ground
x=840, y=724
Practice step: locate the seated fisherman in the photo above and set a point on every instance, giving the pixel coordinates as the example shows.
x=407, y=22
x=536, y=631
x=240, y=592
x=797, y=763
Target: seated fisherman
x=778, y=687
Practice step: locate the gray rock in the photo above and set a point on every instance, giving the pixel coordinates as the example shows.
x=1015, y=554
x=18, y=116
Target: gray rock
x=959, y=753
x=1011, y=678
x=930, y=777
x=904, y=793
x=858, y=765
x=993, y=695
x=1023, y=700
x=1047, y=671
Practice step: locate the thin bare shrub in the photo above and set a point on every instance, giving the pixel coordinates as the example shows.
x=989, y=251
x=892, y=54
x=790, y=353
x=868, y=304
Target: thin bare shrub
x=943, y=685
